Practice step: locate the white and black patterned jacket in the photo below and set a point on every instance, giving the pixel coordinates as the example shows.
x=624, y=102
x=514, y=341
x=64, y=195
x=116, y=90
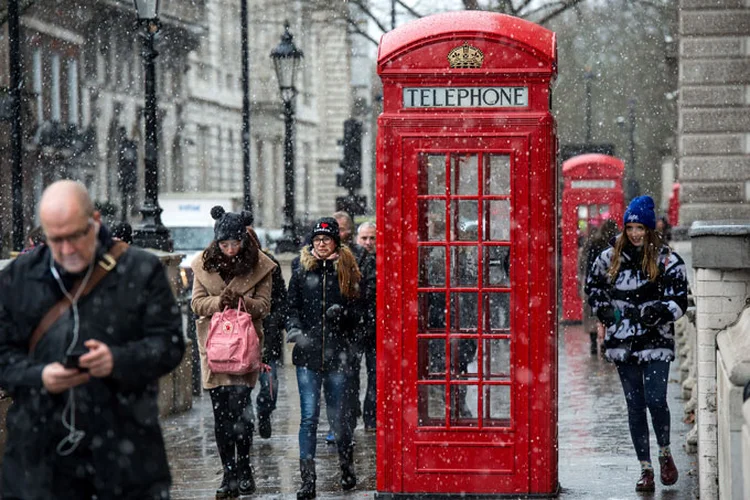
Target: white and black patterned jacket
x=629, y=293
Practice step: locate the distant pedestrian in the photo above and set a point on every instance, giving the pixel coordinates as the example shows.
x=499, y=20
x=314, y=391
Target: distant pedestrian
x=88, y=325
x=664, y=228
x=273, y=346
x=34, y=238
x=346, y=227
x=231, y=269
x=601, y=239
x=123, y=231
x=637, y=289
x=324, y=294
x=364, y=344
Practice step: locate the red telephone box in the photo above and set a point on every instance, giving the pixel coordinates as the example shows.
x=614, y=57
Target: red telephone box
x=592, y=191
x=467, y=312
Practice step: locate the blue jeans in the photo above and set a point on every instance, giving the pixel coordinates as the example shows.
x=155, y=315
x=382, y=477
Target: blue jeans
x=370, y=407
x=266, y=400
x=645, y=386
x=310, y=383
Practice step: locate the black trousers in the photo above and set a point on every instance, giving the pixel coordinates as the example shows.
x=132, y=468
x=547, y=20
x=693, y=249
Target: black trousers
x=233, y=423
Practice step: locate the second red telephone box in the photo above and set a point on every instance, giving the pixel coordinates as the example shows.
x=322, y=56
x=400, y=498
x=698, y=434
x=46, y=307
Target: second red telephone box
x=467, y=312
x=592, y=192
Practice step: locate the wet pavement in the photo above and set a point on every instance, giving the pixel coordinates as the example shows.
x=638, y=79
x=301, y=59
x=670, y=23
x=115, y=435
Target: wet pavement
x=596, y=456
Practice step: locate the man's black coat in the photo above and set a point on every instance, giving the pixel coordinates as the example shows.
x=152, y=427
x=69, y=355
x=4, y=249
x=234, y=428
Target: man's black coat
x=133, y=311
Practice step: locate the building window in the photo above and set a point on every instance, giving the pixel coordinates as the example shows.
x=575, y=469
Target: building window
x=55, y=88
x=37, y=82
x=73, y=92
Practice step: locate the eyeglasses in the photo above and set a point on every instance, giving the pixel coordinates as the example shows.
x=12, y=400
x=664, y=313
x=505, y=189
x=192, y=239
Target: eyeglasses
x=322, y=239
x=230, y=244
x=72, y=238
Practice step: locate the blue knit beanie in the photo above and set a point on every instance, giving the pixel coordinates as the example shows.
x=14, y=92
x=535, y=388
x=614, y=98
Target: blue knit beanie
x=641, y=211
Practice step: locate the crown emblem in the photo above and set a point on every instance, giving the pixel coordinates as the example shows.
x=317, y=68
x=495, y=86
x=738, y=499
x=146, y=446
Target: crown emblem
x=465, y=56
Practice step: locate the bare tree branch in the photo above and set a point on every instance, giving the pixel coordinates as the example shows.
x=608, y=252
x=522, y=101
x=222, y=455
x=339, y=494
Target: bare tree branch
x=354, y=27
x=409, y=9
x=471, y=4
x=362, y=5
x=556, y=10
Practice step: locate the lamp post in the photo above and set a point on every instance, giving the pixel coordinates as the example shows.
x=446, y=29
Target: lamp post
x=632, y=187
x=286, y=60
x=588, y=76
x=16, y=134
x=247, y=194
x=150, y=233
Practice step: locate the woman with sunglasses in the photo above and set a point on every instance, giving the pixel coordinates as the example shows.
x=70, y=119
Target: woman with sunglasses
x=231, y=269
x=637, y=289
x=324, y=308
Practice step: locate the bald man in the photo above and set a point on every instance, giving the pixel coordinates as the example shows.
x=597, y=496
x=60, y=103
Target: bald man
x=84, y=419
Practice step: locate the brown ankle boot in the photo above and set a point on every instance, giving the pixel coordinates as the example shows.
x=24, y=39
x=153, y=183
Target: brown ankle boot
x=646, y=482
x=668, y=470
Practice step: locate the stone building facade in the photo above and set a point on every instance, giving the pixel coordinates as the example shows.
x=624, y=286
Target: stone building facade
x=83, y=79
x=714, y=110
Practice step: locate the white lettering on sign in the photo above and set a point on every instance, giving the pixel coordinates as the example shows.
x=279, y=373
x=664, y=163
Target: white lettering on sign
x=592, y=184
x=466, y=97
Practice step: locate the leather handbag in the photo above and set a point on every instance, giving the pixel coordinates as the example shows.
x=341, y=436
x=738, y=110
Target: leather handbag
x=232, y=345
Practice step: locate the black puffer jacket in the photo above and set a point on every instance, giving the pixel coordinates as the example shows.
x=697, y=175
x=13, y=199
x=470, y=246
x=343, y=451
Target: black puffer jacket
x=313, y=289
x=274, y=323
x=133, y=311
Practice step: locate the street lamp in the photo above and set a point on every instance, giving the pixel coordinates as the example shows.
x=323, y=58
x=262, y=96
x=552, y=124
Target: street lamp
x=246, y=191
x=286, y=60
x=632, y=188
x=588, y=76
x=150, y=233
x=16, y=134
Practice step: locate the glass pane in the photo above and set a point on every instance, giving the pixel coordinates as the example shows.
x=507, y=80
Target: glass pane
x=583, y=212
x=464, y=405
x=496, y=266
x=496, y=312
x=431, y=312
x=431, y=359
x=464, y=174
x=465, y=224
x=431, y=266
x=464, y=359
x=497, y=220
x=603, y=211
x=497, y=405
x=431, y=220
x=464, y=266
x=497, y=174
x=464, y=312
x=431, y=174
x=496, y=356
x=431, y=405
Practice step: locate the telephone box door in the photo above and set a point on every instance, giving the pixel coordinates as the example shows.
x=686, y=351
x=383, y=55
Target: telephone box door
x=468, y=328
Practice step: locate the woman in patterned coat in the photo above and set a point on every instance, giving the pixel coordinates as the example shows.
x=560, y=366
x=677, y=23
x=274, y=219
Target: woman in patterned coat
x=637, y=289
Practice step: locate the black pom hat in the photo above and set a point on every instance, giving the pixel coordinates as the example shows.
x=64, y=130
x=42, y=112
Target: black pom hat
x=230, y=225
x=327, y=226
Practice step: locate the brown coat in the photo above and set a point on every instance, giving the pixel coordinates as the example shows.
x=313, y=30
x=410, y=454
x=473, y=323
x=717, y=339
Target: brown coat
x=207, y=287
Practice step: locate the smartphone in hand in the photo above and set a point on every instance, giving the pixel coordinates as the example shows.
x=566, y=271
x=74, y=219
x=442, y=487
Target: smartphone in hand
x=72, y=360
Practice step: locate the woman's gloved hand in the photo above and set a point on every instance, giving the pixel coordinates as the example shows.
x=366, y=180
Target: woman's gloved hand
x=656, y=314
x=608, y=315
x=229, y=298
x=296, y=336
x=335, y=312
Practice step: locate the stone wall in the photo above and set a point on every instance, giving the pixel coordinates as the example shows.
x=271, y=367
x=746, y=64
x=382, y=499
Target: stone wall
x=721, y=258
x=714, y=110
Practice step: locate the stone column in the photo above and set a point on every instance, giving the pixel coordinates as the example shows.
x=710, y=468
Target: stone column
x=714, y=110
x=721, y=258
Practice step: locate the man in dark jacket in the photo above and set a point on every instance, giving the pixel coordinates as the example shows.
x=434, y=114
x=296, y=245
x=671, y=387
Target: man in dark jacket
x=84, y=420
x=273, y=345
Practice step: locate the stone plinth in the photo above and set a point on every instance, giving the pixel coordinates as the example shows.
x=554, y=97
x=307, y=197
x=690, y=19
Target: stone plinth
x=721, y=288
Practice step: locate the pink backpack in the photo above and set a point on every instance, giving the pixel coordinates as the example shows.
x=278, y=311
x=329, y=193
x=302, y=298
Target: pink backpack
x=233, y=346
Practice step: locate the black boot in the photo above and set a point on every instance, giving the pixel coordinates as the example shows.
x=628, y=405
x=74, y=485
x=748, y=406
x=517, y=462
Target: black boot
x=229, y=486
x=247, y=478
x=307, y=470
x=346, y=461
